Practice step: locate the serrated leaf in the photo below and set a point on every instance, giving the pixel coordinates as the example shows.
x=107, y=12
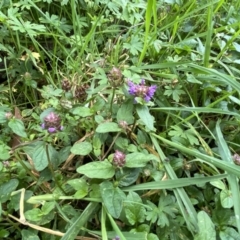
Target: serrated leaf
x=99, y=169
x=81, y=148
x=17, y=127
x=135, y=160
x=145, y=116
x=206, y=227
x=113, y=198
x=108, y=127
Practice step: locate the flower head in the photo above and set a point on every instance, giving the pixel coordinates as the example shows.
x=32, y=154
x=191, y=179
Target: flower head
x=119, y=159
x=52, y=123
x=236, y=159
x=115, y=77
x=123, y=124
x=141, y=90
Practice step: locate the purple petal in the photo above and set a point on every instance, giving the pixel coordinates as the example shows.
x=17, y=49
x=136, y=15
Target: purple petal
x=51, y=129
x=43, y=125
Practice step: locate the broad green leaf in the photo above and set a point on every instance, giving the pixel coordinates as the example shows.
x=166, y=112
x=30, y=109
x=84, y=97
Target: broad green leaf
x=99, y=169
x=152, y=236
x=127, y=176
x=29, y=235
x=47, y=207
x=113, y=198
x=40, y=156
x=218, y=184
x=3, y=118
x=134, y=160
x=134, y=210
x=33, y=215
x=4, y=234
x=77, y=183
x=4, y=151
x=82, y=111
x=80, y=185
x=17, y=127
x=145, y=116
x=81, y=148
x=108, y=127
x=226, y=198
x=206, y=227
x=125, y=112
x=228, y=233
x=7, y=188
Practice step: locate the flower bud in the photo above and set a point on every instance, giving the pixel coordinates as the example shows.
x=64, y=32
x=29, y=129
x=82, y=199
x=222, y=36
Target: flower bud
x=119, y=159
x=8, y=115
x=123, y=124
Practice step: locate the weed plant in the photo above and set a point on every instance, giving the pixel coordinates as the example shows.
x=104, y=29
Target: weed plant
x=119, y=119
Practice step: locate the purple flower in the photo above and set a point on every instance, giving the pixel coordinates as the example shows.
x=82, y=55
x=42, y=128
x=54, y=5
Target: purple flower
x=119, y=159
x=52, y=123
x=141, y=90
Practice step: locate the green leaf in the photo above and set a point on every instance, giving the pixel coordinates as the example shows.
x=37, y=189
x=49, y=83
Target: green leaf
x=7, y=188
x=226, y=198
x=113, y=198
x=40, y=157
x=81, y=148
x=33, y=215
x=125, y=112
x=108, y=127
x=145, y=116
x=206, y=227
x=229, y=234
x=29, y=235
x=135, y=160
x=82, y=111
x=47, y=208
x=80, y=185
x=152, y=236
x=17, y=127
x=127, y=176
x=77, y=183
x=134, y=210
x=3, y=118
x=99, y=169
x=81, y=221
x=4, y=151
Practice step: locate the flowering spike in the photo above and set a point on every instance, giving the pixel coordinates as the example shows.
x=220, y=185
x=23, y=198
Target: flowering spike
x=141, y=90
x=119, y=159
x=52, y=123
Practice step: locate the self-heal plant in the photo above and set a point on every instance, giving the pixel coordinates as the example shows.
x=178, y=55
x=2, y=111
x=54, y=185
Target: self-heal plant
x=141, y=90
x=52, y=122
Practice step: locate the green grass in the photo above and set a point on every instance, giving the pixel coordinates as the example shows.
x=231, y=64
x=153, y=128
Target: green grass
x=106, y=165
